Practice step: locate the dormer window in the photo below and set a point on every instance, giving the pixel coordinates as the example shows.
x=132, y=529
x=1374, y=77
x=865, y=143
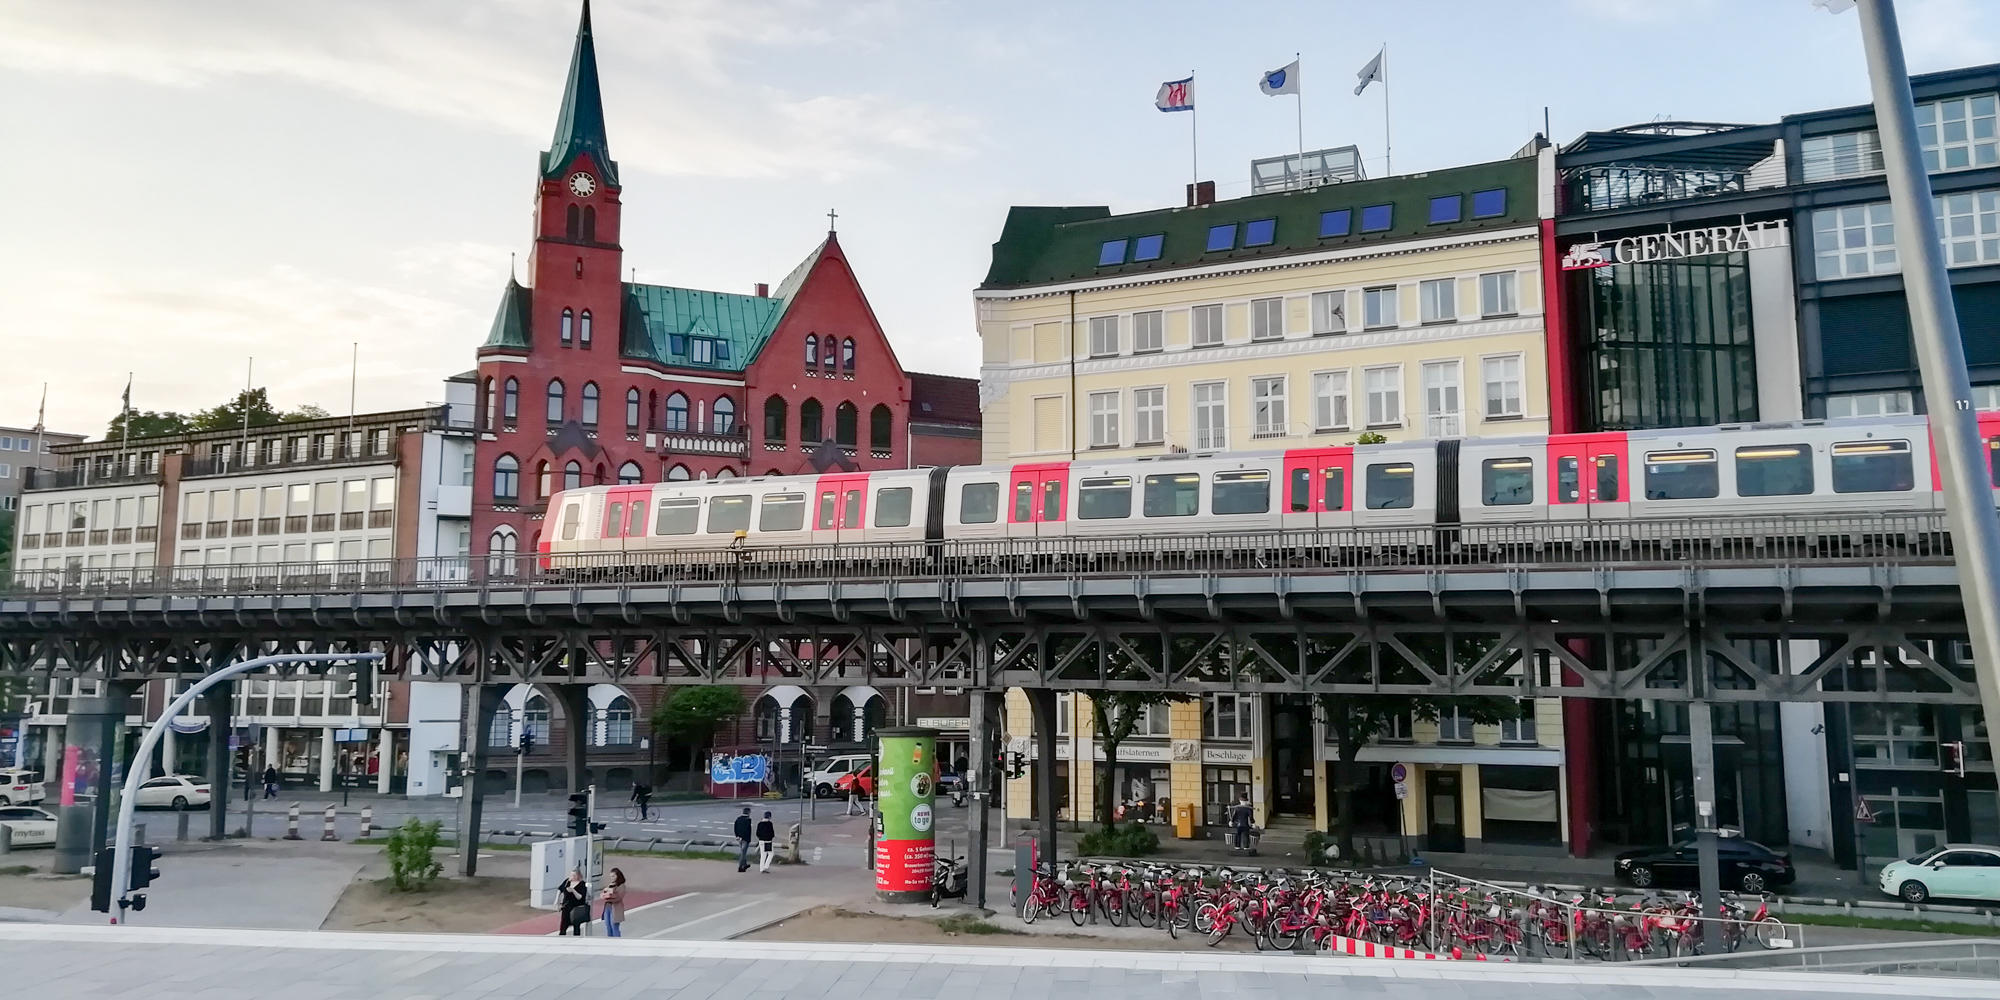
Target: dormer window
x=701, y=350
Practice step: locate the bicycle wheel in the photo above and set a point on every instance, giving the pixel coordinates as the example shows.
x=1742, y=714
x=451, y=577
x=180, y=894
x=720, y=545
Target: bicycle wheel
x=1033, y=910
x=1112, y=905
x=1766, y=931
x=1281, y=935
x=1079, y=909
x=1144, y=906
x=1170, y=915
x=1204, y=917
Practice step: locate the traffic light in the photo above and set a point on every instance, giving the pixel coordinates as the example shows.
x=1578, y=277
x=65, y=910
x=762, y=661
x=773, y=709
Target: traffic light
x=1017, y=764
x=579, y=814
x=527, y=741
x=143, y=872
x=100, y=880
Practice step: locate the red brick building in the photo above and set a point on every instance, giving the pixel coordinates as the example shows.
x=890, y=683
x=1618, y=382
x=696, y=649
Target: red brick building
x=587, y=379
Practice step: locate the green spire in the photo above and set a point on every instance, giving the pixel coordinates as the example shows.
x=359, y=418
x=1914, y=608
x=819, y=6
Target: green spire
x=580, y=127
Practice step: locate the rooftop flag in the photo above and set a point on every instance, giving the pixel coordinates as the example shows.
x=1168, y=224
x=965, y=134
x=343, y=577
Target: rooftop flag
x=1176, y=95
x=1281, y=81
x=1372, y=72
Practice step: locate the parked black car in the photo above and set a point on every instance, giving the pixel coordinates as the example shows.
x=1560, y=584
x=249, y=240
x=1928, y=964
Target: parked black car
x=1745, y=864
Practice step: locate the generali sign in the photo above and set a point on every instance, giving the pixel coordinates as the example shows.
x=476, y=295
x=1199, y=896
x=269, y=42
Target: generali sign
x=1677, y=245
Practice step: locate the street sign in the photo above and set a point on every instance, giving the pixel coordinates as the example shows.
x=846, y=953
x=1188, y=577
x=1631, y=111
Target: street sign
x=1863, y=814
x=1402, y=791
x=1399, y=773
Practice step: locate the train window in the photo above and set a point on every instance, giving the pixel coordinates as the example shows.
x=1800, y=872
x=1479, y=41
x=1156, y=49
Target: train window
x=729, y=514
x=1607, y=479
x=1176, y=495
x=572, y=517
x=1052, y=500
x=782, y=512
x=1247, y=492
x=1507, y=481
x=1336, y=487
x=1100, y=498
x=1872, y=467
x=1680, y=475
x=850, y=515
x=614, y=519
x=1024, y=501
x=1300, y=498
x=892, y=507
x=1569, y=485
x=636, y=522
x=979, y=503
x=1993, y=459
x=1392, y=486
x=826, y=501
x=1774, y=470
x=676, y=517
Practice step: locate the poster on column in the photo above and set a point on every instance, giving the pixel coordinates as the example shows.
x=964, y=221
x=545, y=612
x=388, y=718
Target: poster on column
x=905, y=831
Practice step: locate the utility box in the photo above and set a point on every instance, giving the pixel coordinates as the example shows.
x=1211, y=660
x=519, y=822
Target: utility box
x=552, y=862
x=1184, y=821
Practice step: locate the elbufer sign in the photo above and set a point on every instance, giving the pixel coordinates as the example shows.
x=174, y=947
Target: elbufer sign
x=1677, y=245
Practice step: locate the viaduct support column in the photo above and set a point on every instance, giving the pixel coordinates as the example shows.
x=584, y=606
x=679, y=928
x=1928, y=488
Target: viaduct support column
x=576, y=734
x=480, y=701
x=1701, y=744
x=978, y=780
x=1042, y=703
x=219, y=700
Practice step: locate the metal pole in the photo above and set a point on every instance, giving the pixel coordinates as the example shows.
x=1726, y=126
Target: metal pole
x=1701, y=743
x=978, y=761
x=121, y=865
x=1969, y=511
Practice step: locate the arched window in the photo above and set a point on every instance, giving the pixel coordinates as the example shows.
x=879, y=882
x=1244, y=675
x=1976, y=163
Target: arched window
x=810, y=431
x=510, y=401
x=574, y=218
x=826, y=352
x=501, y=548
x=632, y=410
x=490, y=409
x=583, y=331
x=589, y=227
x=535, y=720
x=629, y=473
x=774, y=419
x=880, y=431
x=506, y=479
x=847, y=354
x=845, y=417
x=724, y=419
x=812, y=351
x=678, y=474
x=568, y=326
x=725, y=473
x=555, y=414
x=677, y=412
x=573, y=476
x=617, y=728
x=590, y=404
x=500, y=731
x=543, y=484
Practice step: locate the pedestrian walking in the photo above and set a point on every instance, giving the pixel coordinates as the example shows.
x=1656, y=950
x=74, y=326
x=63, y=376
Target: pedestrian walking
x=613, y=901
x=270, y=781
x=743, y=841
x=573, y=896
x=1239, y=821
x=767, y=832
x=642, y=793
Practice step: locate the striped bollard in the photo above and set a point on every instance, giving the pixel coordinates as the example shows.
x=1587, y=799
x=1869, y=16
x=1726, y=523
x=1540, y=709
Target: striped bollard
x=292, y=823
x=367, y=820
x=326, y=829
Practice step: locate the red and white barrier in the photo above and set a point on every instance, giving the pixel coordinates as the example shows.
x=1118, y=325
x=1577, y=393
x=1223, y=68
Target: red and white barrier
x=1340, y=945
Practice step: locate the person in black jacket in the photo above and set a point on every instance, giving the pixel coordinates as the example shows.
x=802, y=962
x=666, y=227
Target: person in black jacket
x=767, y=832
x=642, y=794
x=743, y=841
x=574, y=898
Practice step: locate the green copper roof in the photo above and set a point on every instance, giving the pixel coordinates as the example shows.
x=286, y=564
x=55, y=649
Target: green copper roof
x=1041, y=245
x=662, y=324
x=510, y=323
x=580, y=126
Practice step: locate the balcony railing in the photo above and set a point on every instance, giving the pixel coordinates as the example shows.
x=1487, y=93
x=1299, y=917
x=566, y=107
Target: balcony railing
x=733, y=444
x=1598, y=189
x=86, y=475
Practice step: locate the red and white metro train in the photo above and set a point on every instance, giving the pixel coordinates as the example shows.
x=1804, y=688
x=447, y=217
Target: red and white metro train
x=1813, y=467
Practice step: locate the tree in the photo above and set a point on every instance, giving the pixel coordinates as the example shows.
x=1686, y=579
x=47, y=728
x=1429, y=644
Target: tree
x=1353, y=720
x=146, y=423
x=227, y=416
x=693, y=715
x=1116, y=714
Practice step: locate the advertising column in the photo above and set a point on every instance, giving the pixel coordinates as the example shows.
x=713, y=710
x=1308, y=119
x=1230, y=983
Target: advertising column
x=905, y=836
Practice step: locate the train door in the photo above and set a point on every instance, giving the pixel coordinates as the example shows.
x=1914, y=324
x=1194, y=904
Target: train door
x=839, y=508
x=624, y=517
x=1318, y=490
x=1589, y=477
x=1035, y=498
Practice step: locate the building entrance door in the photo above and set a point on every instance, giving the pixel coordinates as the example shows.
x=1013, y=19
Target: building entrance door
x=1292, y=754
x=1442, y=795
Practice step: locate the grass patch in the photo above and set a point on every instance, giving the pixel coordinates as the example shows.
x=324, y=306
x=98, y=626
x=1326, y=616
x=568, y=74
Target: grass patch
x=1890, y=924
x=962, y=923
x=624, y=853
x=18, y=869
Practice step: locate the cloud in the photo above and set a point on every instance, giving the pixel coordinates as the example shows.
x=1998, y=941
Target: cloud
x=673, y=70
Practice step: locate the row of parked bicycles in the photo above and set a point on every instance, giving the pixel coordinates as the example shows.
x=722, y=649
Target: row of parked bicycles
x=1310, y=909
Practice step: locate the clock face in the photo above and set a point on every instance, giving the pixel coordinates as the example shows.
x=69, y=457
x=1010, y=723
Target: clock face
x=582, y=184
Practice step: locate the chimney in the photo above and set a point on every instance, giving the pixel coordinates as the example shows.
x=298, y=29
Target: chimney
x=1200, y=193
x=763, y=290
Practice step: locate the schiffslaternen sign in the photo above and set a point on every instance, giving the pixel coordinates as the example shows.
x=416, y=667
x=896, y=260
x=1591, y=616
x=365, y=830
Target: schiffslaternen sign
x=1677, y=245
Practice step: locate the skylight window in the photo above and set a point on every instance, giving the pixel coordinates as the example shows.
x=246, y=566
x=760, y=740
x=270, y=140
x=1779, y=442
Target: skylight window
x=1376, y=218
x=1148, y=247
x=1260, y=233
x=1222, y=237
x=1447, y=208
x=1335, y=223
x=1112, y=252
x=1487, y=204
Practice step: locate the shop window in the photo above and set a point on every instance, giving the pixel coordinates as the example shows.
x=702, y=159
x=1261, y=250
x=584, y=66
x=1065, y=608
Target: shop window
x=1226, y=717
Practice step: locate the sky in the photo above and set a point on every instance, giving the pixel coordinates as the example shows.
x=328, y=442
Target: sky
x=284, y=185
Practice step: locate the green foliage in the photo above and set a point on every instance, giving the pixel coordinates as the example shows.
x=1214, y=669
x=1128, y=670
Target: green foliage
x=1318, y=848
x=693, y=715
x=1371, y=437
x=411, y=866
x=228, y=416
x=1132, y=840
x=147, y=423
x=7, y=544
x=965, y=923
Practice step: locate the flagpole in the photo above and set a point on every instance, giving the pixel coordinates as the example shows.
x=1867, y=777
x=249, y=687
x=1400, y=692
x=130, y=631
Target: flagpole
x=125, y=438
x=1299, y=102
x=1388, y=158
x=249, y=366
x=41, y=415
x=1194, y=130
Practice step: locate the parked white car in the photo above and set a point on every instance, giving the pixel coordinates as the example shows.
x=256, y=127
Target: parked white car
x=824, y=780
x=31, y=827
x=20, y=787
x=174, y=791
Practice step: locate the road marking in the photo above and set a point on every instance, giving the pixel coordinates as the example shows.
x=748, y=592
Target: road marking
x=712, y=916
x=669, y=901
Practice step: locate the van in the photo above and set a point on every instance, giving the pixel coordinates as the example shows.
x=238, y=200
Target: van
x=825, y=779
x=20, y=787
